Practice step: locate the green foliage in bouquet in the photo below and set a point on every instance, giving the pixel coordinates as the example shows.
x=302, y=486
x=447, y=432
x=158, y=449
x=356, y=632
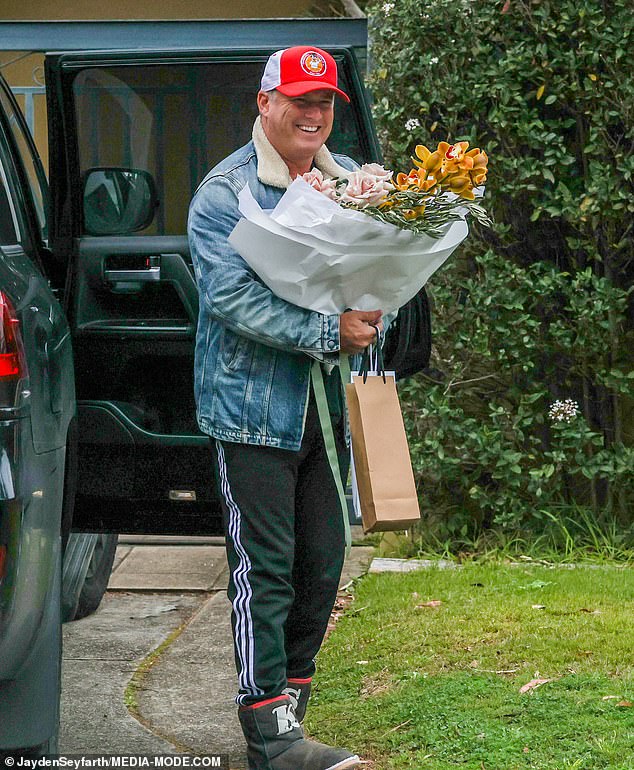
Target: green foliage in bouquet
x=536, y=310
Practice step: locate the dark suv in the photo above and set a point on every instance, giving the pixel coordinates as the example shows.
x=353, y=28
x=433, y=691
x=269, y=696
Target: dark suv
x=98, y=308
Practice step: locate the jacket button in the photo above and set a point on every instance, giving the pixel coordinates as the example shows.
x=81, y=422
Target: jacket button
x=331, y=344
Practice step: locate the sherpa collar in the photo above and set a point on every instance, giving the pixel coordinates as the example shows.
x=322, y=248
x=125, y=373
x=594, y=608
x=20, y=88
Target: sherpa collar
x=273, y=171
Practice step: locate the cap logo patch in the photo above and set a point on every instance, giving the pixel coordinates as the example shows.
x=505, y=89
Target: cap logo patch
x=313, y=63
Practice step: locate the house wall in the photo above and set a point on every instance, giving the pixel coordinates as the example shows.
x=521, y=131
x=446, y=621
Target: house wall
x=22, y=69
x=32, y=10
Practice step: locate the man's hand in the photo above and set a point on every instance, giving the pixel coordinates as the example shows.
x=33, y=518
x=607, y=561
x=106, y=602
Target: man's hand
x=355, y=332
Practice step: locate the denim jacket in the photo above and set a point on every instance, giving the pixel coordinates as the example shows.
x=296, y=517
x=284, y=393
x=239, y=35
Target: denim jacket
x=253, y=350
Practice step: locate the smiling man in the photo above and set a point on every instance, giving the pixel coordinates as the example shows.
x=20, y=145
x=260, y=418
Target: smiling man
x=297, y=127
x=283, y=520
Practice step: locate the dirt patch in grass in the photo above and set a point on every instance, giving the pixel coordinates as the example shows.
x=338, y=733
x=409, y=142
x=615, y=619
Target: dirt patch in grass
x=375, y=684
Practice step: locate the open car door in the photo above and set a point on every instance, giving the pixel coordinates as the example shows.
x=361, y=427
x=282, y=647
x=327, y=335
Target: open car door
x=132, y=134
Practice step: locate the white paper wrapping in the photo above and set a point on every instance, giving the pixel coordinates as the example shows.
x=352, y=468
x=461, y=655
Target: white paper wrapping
x=314, y=253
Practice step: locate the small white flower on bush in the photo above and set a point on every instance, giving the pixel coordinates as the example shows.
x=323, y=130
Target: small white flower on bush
x=434, y=60
x=387, y=7
x=412, y=124
x=563, y=411
x=364, y=189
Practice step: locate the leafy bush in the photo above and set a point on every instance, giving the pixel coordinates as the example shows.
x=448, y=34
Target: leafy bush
x=493, y=440
x=538, y=309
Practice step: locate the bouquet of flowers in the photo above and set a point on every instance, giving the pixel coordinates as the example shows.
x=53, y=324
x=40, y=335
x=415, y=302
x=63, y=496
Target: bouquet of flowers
x=439, y=189
x=365, y=241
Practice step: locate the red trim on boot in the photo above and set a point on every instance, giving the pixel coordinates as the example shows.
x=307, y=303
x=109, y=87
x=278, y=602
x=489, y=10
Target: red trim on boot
x=264, y=702
x=300, y=681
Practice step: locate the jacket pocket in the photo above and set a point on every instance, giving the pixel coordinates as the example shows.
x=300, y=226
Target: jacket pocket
x=235, y=349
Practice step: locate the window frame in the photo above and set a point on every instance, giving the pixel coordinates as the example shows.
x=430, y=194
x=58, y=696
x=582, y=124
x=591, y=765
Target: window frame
x=31, y=234
x=6, y=185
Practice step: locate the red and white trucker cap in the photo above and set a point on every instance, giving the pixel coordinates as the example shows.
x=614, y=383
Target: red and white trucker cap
x=298, y=70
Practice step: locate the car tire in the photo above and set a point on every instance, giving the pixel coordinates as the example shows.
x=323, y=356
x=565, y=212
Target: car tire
x=34, y=752
x=97, y=576
x=30, y=703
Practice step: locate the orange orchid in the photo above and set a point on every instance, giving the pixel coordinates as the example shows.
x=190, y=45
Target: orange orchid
x=456, y=151
x=450, y=167
x=478, y=177
x=417, y=178
x=461, y=185
x=422, y=179
x=405, y=181
x=430, y=161
x=457, y=159
x=479, y=172
x=425, y=185
x=416, y=213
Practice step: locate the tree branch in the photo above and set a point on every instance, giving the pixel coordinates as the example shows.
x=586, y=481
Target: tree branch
x=352, y=9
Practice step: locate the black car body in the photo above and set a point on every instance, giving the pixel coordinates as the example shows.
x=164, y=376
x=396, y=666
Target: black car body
x=37, y=406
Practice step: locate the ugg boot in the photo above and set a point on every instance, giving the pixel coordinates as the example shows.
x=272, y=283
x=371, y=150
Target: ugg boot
x=275, y=740
x=298, y=690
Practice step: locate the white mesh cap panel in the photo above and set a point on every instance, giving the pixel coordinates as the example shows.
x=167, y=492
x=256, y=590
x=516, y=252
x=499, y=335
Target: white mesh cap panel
x=271, y=77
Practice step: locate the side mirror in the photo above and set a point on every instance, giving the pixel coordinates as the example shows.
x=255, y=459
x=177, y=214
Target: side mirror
x=118, y=200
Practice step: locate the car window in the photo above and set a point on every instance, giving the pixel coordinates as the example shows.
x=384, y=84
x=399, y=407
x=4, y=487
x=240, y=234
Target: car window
x=9, y=228
x=35, y=173
x=176, y=122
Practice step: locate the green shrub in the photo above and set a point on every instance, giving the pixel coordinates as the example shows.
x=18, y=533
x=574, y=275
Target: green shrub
x=493, y=439
x=538, y=309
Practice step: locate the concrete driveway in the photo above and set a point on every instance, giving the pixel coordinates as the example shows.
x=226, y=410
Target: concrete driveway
x=151, y=672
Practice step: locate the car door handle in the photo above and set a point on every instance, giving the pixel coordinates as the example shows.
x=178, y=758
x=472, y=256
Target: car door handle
x=137, y=276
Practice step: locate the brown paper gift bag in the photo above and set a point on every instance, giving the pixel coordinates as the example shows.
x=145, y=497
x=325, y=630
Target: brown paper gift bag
x=385, y=480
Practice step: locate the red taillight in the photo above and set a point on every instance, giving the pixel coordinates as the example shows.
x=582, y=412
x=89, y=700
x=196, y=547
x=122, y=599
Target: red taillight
x=9, y=365
x=12, y=357
x=3, y=560
x=11, y=350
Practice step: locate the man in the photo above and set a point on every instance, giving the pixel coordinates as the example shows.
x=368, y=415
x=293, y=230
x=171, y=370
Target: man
x=254, y=351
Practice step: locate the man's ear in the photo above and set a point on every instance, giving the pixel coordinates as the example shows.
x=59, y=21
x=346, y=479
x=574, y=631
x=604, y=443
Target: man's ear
x=263, y=100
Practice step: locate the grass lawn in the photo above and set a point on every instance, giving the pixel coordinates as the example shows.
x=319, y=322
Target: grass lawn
x=413, y=686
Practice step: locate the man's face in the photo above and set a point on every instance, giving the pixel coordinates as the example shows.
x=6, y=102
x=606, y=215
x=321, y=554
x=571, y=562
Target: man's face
x=297, y=127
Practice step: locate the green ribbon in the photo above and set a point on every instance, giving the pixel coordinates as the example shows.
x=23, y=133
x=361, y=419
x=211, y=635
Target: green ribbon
x=329, y=436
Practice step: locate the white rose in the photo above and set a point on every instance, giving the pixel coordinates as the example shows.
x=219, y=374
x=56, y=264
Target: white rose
x=315, y=179
x=376, y=170
x=364, y=189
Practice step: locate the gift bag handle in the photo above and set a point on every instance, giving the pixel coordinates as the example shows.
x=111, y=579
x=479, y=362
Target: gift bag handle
x=376, y=350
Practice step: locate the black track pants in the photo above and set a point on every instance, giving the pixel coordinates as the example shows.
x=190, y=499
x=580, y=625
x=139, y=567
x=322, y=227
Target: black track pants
x=285, y=547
